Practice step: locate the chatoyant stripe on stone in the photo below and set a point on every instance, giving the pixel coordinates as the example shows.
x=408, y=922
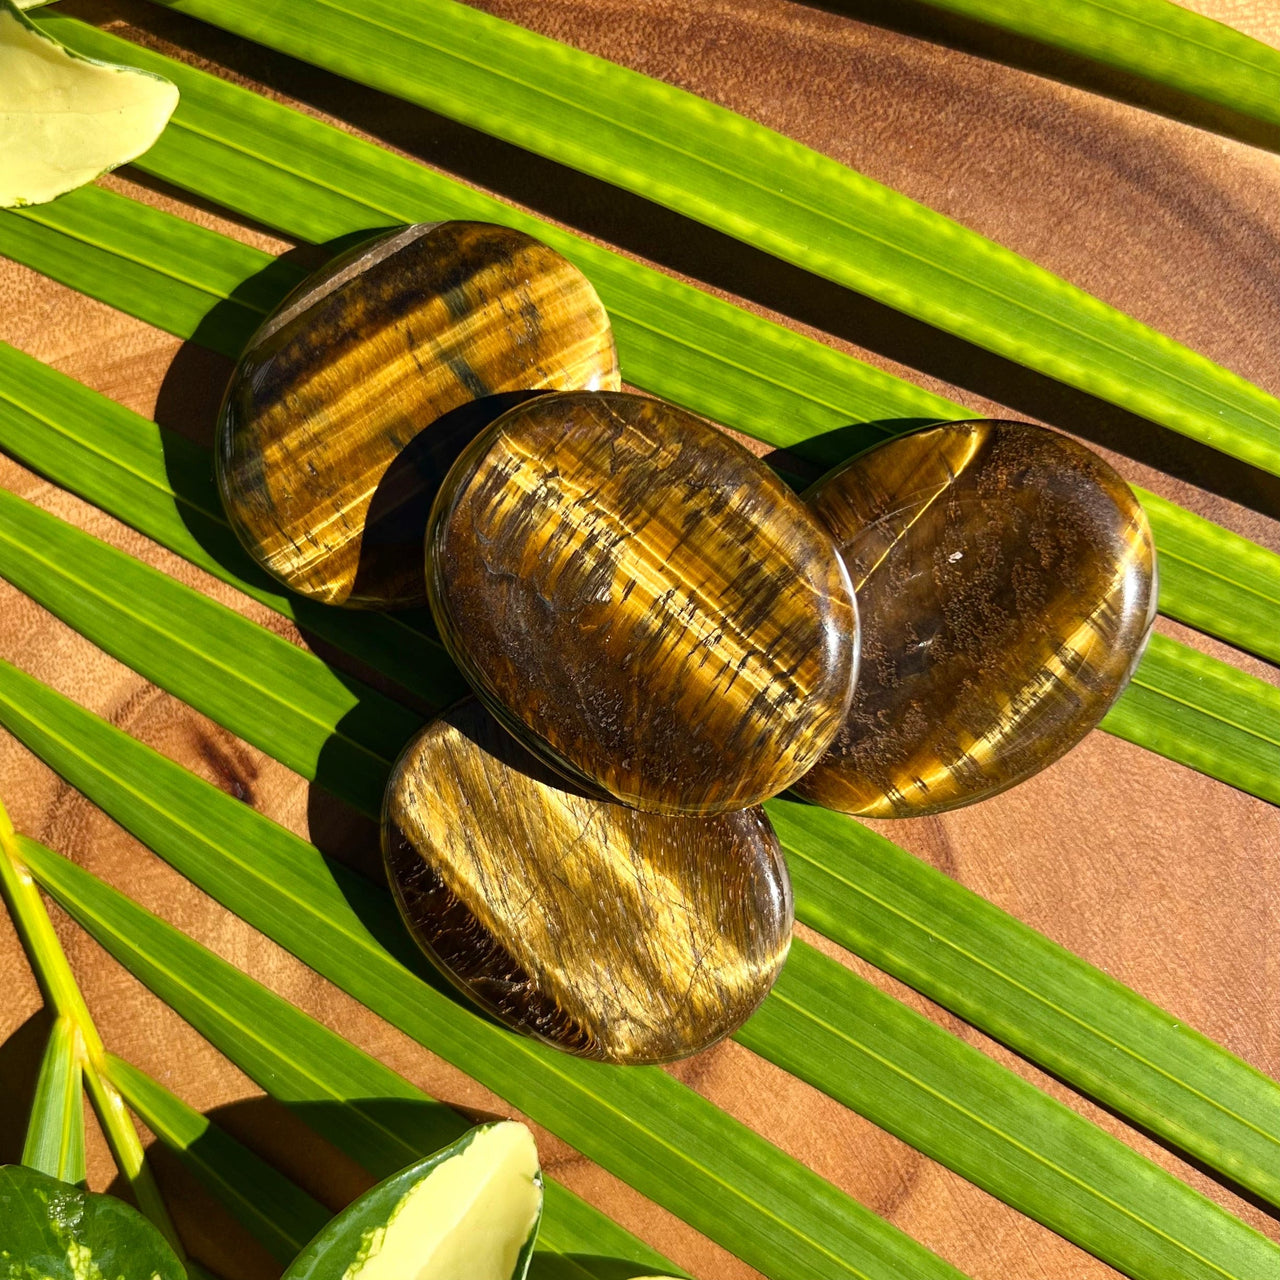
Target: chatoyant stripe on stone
x=643, y=601
x=353, y=399
x=611, y=933
x=1007, y=585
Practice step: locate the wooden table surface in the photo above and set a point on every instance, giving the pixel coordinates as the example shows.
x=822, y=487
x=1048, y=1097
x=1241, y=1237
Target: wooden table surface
x=1165, y=879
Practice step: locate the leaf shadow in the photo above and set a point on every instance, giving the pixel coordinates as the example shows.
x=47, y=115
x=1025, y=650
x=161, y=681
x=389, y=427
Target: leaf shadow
x=919, y=20
x=20, y=1058
x=397, y=515
x=188, y=406
x=351, y=844
x=352, y=847
x=307, y=1141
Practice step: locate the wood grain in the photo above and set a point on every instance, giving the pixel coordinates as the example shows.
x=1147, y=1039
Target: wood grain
x=1006, y=582
x=1167, y=880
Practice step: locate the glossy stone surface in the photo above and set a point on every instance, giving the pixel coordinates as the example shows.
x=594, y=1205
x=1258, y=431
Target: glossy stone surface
x=643, y=602
x=1006, y=584
x=352, y=400
x=611, y=933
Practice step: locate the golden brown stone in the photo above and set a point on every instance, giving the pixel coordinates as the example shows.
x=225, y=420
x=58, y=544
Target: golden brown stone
x=1006, y=584
x=614, y=934
x=353, y=399
x=643, y=602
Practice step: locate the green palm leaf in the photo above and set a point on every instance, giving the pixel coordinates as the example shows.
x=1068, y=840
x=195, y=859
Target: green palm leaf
x=737, y=368
x=910, y=920
x=1154, y=39
x=1215, y=580
x=1168, y=704
x=1194, y=709
x=860, y=1046
x=947, y=1099
x=221, y=1002
x=293, y=707
x=289, y=702
x=363, y=1108
x=55, y=1134
x=826, y=1025
x=642, y=1124
x=715, y=166
x=1156, y=712
x=114, y=249
x=162, y=484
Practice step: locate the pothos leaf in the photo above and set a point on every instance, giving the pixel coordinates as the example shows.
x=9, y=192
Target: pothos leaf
x=51, y=1230
x=468, y=1212
x=65, y=118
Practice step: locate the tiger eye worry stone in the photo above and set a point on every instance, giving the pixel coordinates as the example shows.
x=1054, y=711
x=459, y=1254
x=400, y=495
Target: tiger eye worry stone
x=353, y=399
x=642, y=602
x=1007, y=586
x=614, y=934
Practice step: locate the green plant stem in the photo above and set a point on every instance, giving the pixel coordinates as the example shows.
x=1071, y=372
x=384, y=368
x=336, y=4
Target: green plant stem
x=59, y=986
x=126, y=1148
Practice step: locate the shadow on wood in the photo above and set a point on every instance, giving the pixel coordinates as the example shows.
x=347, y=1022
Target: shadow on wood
x=20, y=1057
x=304, y=1142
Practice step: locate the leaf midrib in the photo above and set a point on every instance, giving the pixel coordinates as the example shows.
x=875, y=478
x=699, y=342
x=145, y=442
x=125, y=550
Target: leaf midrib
x=86, y=239
x=1203, y=710
x=1176, y=35
x=1237, y=583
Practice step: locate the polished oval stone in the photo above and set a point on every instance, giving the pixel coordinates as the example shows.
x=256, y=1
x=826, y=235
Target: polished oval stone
x=643, y=602
x=1006, y=585
x=611, y=933
x=354, y=398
